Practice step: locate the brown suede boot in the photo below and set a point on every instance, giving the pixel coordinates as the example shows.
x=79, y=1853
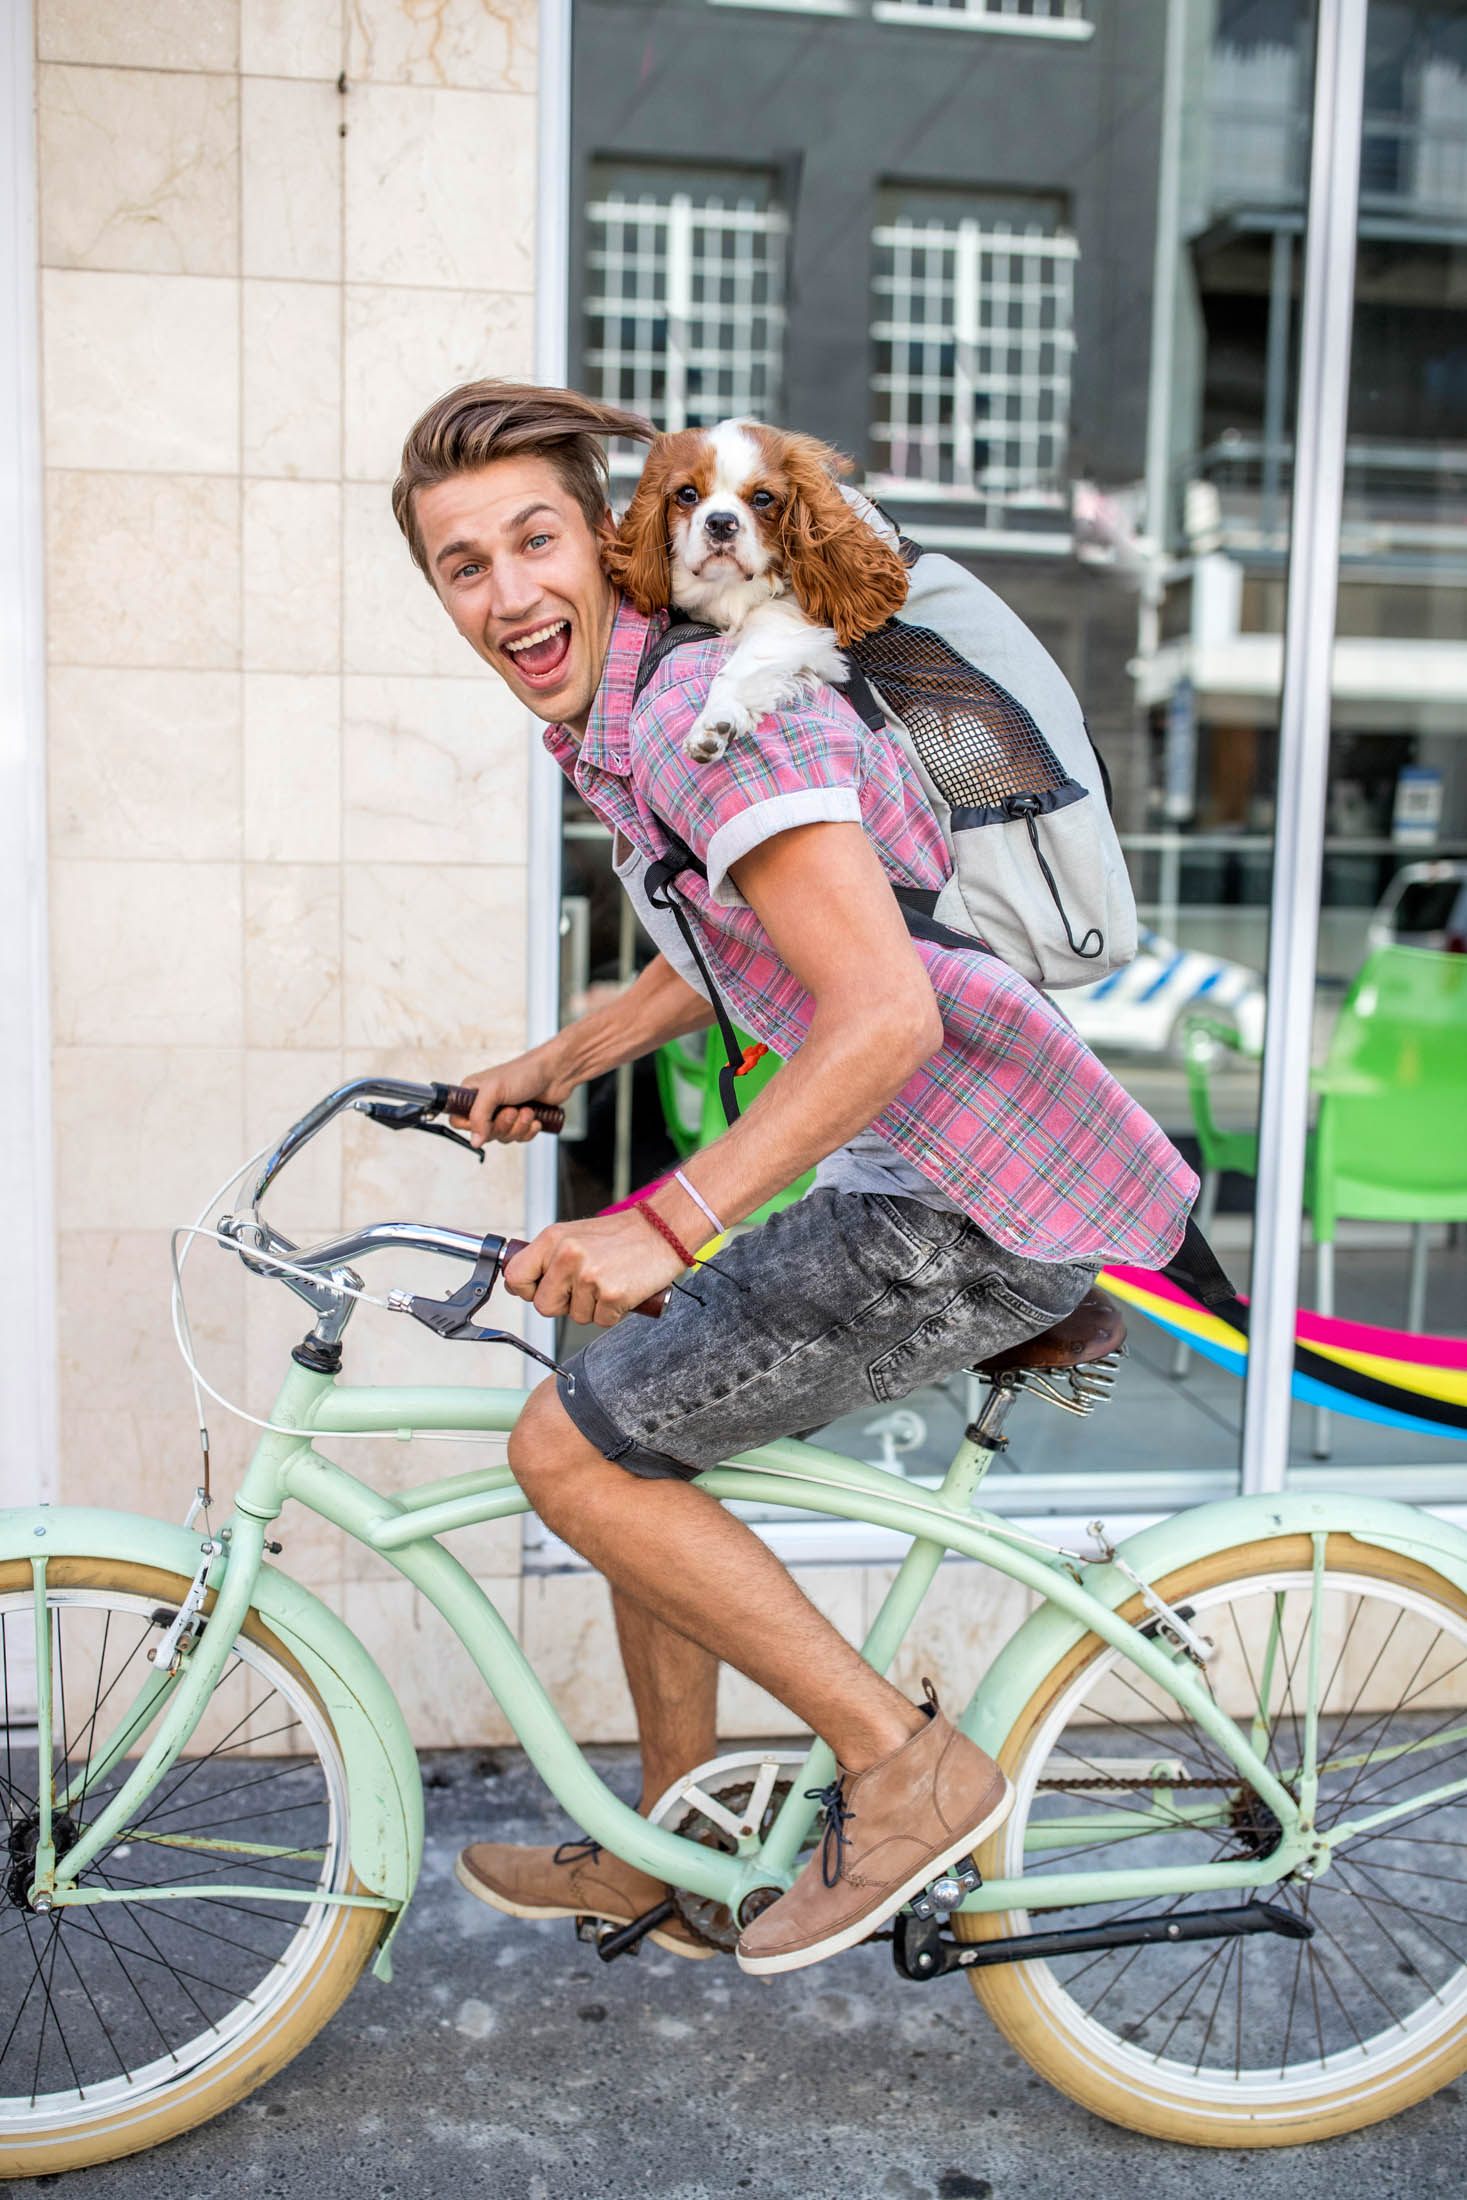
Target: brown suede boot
x=577, y=1879
x=888, y=1831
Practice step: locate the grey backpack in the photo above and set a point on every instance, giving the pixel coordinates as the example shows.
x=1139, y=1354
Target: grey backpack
x=1006, y=761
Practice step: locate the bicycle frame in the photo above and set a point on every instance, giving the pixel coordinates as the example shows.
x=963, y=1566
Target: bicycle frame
x=405, y=1527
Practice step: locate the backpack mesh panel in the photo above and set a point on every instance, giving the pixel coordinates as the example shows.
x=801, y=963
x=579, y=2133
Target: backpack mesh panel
x=979, y=746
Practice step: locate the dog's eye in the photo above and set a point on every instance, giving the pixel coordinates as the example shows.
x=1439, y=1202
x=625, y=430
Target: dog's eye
x=761, y=500
x=687, y=494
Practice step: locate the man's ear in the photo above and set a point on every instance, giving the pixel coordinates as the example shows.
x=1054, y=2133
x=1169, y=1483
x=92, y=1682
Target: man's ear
x=637, y=556
x=841, y=571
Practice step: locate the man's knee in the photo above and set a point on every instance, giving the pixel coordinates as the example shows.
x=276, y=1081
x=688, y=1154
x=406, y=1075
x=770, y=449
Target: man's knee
x=546, y=1449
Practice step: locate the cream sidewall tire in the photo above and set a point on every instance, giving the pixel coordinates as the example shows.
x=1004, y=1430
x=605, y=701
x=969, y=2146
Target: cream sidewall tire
x=1009, y=1991
x=339, y=1962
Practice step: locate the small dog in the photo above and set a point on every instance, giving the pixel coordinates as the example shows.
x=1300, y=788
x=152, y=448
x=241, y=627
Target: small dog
x=744, y=526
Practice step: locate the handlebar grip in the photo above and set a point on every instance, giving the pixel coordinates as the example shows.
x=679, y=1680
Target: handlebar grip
x=652, y=1306
x=460, y=1101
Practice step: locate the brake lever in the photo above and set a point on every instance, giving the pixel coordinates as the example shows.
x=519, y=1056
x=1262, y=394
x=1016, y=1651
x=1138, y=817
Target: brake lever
x=453, y=1317
x=410, y=1115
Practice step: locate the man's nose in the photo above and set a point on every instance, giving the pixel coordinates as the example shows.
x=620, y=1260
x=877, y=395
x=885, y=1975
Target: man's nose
x=721, y=526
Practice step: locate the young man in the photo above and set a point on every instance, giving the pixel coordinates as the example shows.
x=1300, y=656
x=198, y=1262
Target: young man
x=976, y=1166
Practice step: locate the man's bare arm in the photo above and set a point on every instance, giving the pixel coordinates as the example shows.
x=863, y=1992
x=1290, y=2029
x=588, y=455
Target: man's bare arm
x=822, y=897
x=657, y=1007
x=824, y=901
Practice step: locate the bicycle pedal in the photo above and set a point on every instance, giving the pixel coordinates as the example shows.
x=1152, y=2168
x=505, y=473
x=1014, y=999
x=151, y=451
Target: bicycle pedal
x=948, y=1890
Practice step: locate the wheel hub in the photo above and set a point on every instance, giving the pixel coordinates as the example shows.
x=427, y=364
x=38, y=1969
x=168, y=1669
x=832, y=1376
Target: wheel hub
x=21, y=1846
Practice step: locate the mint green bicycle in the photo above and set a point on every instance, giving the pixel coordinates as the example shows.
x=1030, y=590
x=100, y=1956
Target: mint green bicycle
x=1229, y=1907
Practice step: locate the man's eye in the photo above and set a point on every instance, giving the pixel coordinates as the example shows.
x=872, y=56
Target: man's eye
x=687, y=495
x=536, y=540
x=761, y=500
x=467, y=572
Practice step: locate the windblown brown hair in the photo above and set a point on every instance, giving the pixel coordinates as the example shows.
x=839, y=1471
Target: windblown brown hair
x=480, y=422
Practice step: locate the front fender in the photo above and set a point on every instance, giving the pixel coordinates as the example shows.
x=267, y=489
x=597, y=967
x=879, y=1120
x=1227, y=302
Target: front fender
x=1155, y=1552
x=384, y=1787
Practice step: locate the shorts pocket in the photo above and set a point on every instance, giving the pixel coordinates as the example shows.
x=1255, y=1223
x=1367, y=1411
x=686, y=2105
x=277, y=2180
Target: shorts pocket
x=985, y=1317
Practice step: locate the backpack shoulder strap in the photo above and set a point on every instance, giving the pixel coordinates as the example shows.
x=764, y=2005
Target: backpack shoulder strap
x=681, y=631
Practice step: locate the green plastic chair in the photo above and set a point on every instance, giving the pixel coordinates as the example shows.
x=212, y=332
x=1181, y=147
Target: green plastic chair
x=687, y=1085
x=1390, y=1140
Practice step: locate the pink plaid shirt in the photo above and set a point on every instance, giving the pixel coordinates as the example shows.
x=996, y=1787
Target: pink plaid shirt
x=1014, y=1118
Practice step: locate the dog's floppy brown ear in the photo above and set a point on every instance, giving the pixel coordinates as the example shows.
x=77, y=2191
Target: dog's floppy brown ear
x=843, y=574
x=638, y=556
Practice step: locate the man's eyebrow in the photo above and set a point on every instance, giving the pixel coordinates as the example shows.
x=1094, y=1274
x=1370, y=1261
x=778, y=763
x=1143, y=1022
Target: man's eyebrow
x=454, y=549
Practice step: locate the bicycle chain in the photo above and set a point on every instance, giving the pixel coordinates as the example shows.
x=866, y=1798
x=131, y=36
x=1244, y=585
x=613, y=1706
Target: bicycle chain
x=1107, y=1781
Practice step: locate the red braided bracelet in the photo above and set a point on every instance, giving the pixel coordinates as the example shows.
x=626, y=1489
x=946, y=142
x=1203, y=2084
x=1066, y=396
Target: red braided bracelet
x=664, y=1229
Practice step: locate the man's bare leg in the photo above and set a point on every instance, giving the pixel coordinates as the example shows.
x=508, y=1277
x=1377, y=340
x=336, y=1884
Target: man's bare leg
x=674, y=1685
x=677, y=1553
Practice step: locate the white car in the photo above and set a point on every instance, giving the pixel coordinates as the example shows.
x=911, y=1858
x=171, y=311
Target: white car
x=1425, y=905
x=1141, y=1009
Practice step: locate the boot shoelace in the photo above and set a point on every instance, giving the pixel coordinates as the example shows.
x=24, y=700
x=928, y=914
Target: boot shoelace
x=832, y=1801
x=583, y=1850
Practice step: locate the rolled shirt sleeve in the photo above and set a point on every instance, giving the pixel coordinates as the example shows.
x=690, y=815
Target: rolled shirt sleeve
x=792, y=770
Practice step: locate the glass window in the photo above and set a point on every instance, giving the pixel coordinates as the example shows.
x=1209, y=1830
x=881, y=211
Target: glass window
x=1386, y=1248
x=973, y=337
x=1066, y=360
x=684, y=304
x=1055, y=18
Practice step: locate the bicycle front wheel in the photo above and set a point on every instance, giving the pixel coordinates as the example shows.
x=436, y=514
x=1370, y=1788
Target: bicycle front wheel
x=125, y=2022
x=1265, y=2041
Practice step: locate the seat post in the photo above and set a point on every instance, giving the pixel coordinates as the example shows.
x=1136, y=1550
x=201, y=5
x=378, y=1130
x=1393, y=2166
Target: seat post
x=986, y=1428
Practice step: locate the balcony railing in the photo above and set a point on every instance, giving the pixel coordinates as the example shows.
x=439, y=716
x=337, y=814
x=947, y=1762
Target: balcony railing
x=1413, y=163
x=1402, y=500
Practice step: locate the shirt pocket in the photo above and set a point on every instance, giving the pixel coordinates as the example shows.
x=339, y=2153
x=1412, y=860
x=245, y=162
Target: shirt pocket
x=985, y=1317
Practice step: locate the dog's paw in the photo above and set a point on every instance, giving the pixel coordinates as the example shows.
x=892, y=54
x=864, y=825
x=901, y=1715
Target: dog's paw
x=710, y=734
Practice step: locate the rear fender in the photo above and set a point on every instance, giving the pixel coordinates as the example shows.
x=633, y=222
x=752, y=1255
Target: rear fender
x=384, y=1787
x=1048, y=1634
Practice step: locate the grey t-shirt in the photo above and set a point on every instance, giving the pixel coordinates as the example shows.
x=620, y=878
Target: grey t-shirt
x=866, y=1163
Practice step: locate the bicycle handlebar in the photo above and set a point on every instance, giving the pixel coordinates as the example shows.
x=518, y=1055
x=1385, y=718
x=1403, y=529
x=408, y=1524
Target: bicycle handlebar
x=365, y=1094
x=459, y=1100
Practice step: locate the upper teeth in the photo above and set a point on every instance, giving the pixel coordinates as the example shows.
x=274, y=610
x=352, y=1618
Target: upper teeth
x=542, y=634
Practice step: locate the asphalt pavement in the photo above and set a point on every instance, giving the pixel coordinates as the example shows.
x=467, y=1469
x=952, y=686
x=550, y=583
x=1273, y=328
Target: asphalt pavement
x=505, y=2059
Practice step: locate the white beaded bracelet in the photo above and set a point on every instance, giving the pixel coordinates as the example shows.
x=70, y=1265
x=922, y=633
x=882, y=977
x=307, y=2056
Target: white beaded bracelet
x=698, y=1201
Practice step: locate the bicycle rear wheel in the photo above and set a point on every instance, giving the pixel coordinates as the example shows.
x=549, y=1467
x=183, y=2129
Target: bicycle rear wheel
x=1262, y=2041
x=126, y=2022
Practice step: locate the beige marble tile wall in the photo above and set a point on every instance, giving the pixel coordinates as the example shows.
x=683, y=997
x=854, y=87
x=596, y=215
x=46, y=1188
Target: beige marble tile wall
x=287, y=808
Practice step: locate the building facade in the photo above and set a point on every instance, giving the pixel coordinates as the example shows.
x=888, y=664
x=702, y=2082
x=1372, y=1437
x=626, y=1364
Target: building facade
x=1035, y=265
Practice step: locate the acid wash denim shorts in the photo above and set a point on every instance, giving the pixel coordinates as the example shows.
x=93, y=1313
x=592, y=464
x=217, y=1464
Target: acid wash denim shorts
x=844, y=1300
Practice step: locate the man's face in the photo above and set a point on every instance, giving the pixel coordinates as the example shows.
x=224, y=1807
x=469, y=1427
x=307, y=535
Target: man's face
x=517, y=567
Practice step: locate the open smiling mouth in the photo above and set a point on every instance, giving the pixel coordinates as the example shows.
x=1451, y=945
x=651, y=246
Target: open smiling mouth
x=540, y=657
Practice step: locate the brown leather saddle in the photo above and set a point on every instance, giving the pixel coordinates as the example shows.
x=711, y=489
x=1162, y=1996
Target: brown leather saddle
x=1090, y=1331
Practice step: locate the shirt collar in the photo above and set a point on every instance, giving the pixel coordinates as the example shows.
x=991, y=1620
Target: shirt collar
x=606, y=745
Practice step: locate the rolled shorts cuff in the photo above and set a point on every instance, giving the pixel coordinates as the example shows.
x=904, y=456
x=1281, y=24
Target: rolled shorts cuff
x=611, y=1440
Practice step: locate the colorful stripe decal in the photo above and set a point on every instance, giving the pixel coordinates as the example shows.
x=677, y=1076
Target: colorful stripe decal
x=1384, y=1375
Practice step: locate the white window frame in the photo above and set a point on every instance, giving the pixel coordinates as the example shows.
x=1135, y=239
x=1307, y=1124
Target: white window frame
x=1324, y=372
x=993, y=267
x=674, y=233
x=1064, y=19
x=28, y=1380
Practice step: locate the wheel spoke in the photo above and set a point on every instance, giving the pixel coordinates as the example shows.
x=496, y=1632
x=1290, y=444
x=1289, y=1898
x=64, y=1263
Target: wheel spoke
x=1385, y=1971
x=125, y=1997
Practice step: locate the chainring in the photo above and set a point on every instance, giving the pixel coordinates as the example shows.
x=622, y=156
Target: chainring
x=708, y=1921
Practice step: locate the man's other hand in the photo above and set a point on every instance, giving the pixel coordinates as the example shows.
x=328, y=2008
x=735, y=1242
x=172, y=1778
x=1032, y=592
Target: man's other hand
x=497, y=1117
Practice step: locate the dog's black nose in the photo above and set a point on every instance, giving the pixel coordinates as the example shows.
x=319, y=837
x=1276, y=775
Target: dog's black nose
x=721, y=526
